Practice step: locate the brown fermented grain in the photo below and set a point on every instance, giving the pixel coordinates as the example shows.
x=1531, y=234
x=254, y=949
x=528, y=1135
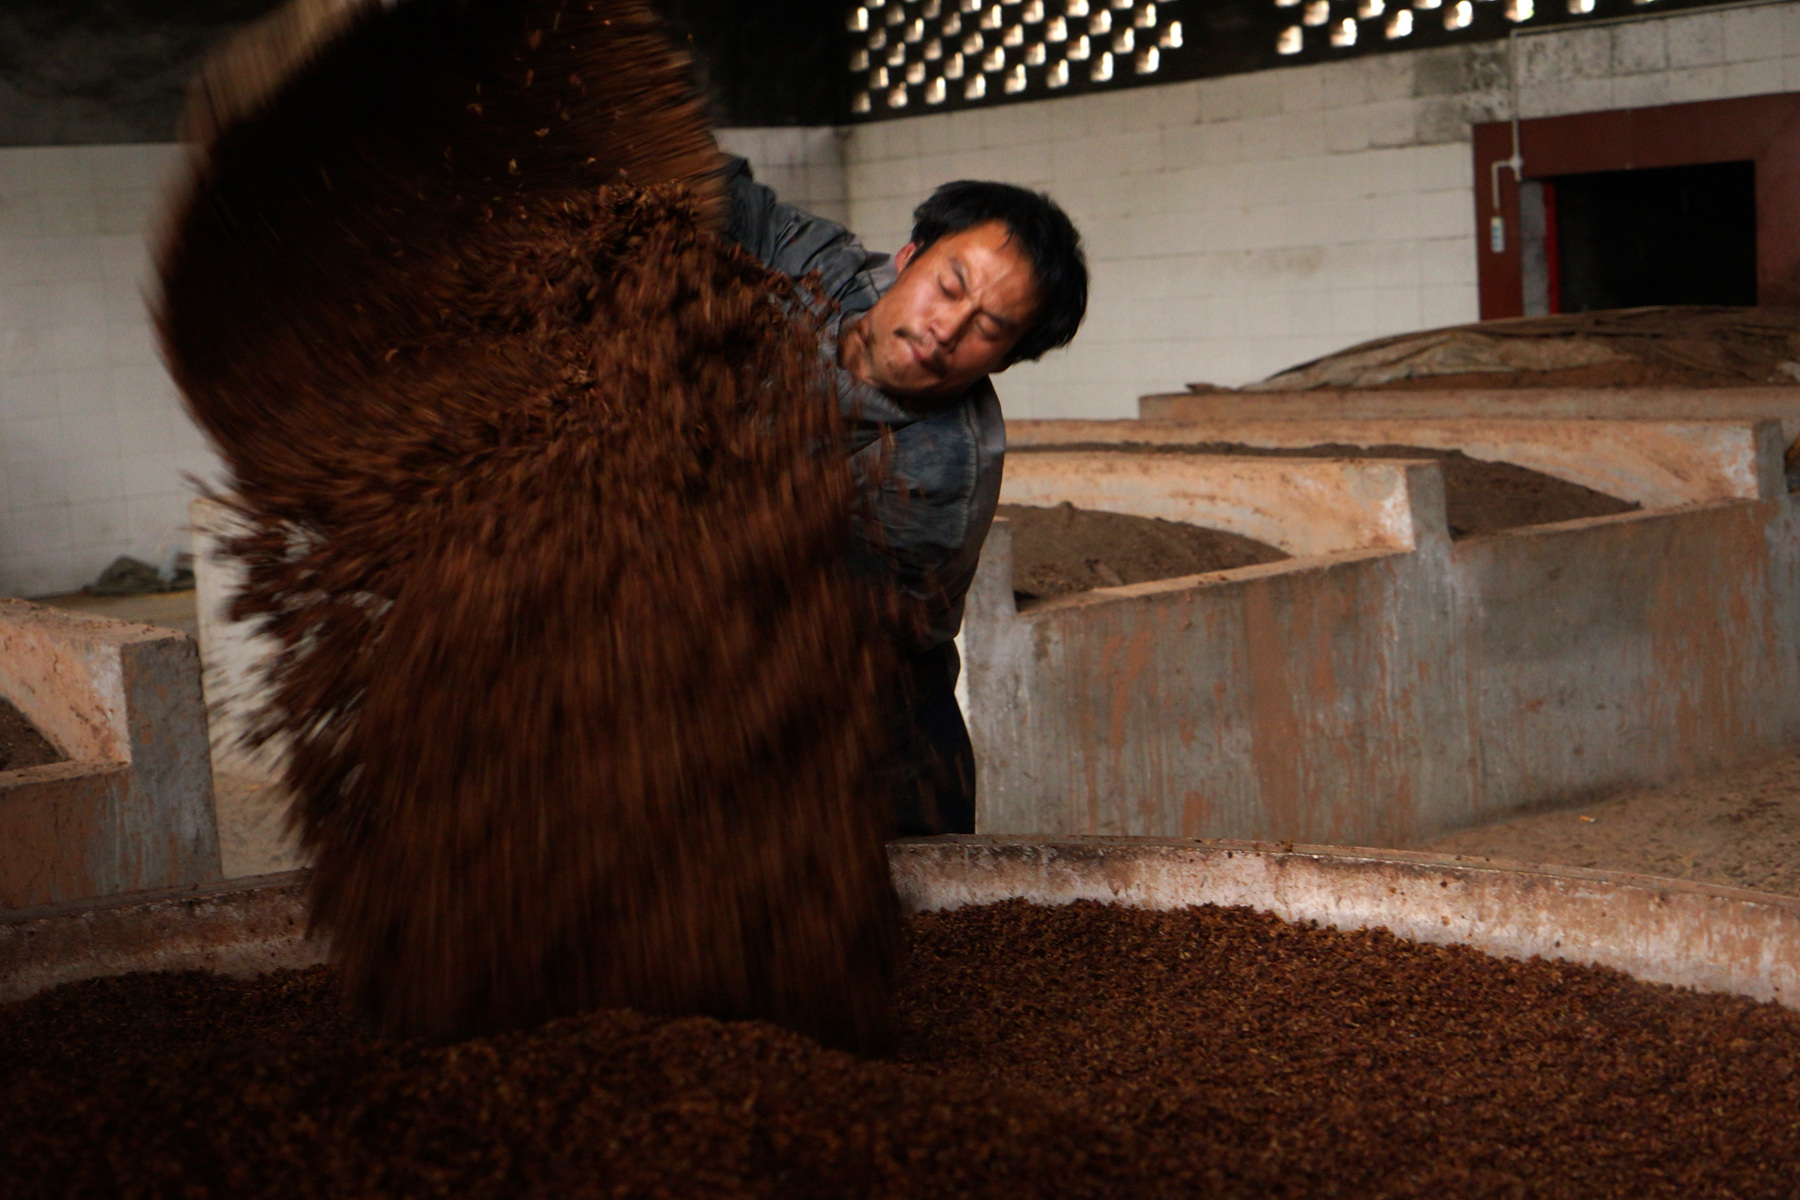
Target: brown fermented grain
x=547, y=508
x=1060, y=550
x=1480, y=496
x=1045, y=1052
x=21, y=744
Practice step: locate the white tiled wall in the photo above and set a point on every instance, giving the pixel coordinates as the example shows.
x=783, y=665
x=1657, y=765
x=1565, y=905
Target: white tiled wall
x=1699, y=56
x=1238, y=226
x=94, y=445
x=93, y=442
x=805, y=166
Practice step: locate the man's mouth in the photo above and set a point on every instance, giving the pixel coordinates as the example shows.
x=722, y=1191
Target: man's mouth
x=931, y=362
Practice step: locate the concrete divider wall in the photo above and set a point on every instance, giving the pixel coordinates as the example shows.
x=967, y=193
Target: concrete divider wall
x=1659, y=464
x=1378, y=697
x=133, y=808
x=1632, y=650
x=1384, y=686
x=1318, y=697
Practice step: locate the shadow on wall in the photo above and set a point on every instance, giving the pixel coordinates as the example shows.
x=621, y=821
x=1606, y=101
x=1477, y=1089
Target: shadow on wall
x=75, y=72
x=103, y=72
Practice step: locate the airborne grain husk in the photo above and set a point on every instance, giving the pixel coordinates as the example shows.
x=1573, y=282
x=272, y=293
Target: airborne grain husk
x=547, y=511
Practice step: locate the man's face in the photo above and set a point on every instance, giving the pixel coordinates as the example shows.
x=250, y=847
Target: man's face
x=953, y=316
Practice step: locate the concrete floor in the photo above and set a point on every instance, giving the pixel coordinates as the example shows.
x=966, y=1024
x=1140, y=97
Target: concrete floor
x=1740, y=828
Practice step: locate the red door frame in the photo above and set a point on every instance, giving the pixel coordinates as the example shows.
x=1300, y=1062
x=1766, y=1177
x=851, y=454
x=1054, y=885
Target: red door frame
x=1763, y=129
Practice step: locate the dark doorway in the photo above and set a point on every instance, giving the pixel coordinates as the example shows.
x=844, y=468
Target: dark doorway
x=1669, y=235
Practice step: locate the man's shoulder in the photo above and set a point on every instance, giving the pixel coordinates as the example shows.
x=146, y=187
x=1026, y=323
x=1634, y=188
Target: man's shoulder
x=797, y=243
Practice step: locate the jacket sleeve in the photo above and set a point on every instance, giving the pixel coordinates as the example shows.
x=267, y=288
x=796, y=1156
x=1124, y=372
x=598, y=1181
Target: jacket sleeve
x=796, y=243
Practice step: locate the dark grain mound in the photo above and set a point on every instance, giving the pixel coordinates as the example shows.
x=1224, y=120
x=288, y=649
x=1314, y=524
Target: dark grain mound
x=21, y=745
x=547, y=510
x=1657, y=346
x=1483, y=497
x=1057, y=551
x=1480, y=497
x=1083, y=1051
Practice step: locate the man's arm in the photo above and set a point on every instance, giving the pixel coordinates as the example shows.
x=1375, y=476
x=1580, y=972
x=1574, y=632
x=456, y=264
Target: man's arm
x=797, y=243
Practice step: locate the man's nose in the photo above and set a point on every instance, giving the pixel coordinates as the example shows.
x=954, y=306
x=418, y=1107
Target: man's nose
x=949, y=324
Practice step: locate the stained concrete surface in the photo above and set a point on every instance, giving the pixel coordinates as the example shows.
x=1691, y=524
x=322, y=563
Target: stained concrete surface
x=251, y=813
x=253, y=836
x=132, y=807
x=1740, y=828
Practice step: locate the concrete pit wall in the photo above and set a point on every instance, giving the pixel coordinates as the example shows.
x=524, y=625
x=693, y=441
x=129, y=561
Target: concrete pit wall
x=1371, y=693
x=132, y=808
x=1659, y=930
x=1759, y=403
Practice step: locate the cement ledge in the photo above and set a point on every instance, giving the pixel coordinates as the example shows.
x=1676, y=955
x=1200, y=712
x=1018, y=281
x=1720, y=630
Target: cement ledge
x=1659, y=930
x=238, y=927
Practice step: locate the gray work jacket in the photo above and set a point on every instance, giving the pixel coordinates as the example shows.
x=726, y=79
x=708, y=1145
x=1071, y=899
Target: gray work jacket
x=937, y=496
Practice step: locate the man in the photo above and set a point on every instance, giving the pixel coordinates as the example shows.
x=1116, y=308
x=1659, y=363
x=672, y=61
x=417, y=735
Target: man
x=992, y=275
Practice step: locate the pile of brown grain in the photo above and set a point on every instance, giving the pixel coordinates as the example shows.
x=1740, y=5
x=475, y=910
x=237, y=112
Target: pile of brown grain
x=21, y=743
x=1061, y=550
x=548, y=511
x=1480, y=496
x=1083, y=1051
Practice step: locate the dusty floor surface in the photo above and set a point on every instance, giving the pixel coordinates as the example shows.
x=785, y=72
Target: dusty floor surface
x=1740, y=829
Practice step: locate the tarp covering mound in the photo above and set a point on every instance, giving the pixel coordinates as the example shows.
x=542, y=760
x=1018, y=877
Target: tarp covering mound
x=1672, y=346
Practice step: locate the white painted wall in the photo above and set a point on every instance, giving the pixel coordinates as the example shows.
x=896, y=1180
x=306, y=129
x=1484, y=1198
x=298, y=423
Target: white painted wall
x=1236, y=226
x=805, y=166
x=94, y=444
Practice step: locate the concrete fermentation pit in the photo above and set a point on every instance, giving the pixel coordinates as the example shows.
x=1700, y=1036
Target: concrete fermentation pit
x=1764, y=402
x=1387, y=683
x=1659, y=930
x=132, y=806
x=1384, y=685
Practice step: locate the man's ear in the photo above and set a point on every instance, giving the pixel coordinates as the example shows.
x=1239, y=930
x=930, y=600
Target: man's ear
x=907, y=253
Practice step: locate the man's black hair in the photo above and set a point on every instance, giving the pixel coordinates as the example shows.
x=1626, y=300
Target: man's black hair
x=1050, y=241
